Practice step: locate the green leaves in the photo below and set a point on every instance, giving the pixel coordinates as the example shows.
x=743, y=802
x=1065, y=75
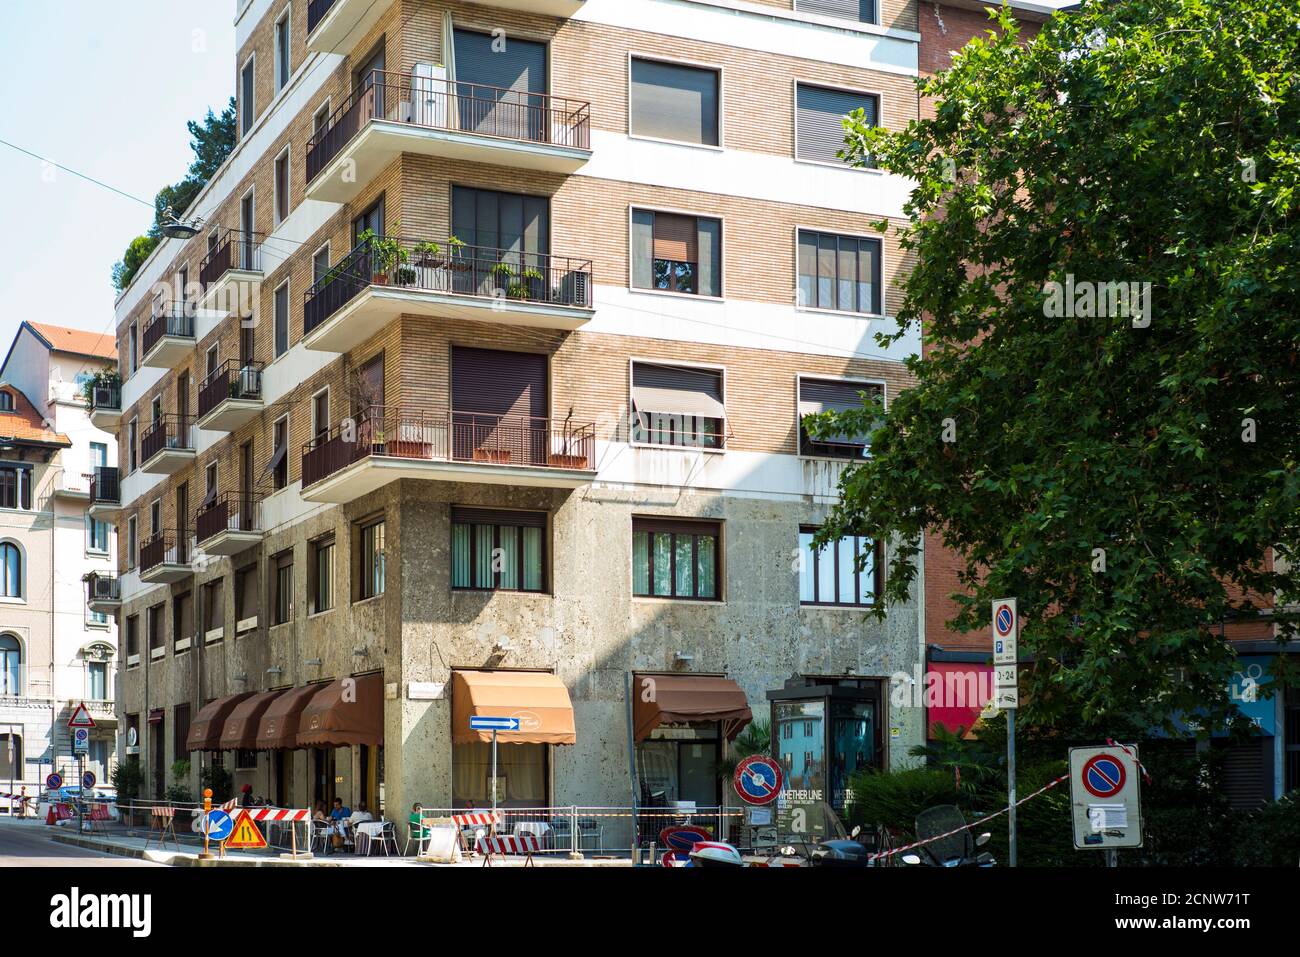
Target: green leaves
x=1107, y=149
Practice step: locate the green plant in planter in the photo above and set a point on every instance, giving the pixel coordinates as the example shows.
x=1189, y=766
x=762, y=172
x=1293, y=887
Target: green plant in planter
x=386, y=253
x=426, y=253
x=102, y=378
x=127, y=778
x=180, y=790
x=522, y=287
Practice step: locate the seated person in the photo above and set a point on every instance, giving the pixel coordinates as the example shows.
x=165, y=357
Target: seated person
x=361, y=815
x=339, y=817
x=416, y=821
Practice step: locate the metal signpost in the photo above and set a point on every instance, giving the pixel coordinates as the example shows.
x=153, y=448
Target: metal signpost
x=494, y=725
x=1006, y=697
x=80, y=723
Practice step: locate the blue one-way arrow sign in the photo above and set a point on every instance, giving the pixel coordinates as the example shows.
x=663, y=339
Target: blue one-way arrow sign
x=494, y=724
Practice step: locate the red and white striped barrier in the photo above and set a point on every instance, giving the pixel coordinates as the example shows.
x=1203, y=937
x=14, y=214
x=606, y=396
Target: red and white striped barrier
x=278, y=814
x=161, y=811
x=470, y=820
x=526, y=844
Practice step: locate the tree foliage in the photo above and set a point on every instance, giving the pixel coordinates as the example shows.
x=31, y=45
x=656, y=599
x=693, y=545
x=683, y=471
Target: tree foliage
x=211, y=140
x=1124, y=479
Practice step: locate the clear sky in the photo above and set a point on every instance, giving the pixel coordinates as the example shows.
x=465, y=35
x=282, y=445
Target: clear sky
x=105, y=88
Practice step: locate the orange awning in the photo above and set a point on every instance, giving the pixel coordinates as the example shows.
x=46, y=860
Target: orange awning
x=539, y=700
x=240, y=728
x=344, y=712
x=278, y=726
x=682, y=699
x=206, y=727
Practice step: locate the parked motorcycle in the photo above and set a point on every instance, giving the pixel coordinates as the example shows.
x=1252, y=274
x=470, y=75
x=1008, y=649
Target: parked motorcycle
x=958, y=848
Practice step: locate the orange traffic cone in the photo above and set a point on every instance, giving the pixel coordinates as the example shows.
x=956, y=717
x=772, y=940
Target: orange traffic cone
x=49, y=818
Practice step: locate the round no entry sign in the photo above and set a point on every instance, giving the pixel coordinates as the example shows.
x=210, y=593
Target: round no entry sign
x=1103, y=776
x=1004, y=620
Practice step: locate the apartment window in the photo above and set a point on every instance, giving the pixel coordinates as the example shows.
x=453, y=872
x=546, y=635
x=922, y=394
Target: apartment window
x=830, y=576
x=672, y=252
x=321, y=575
x=134, y=337
x=673, y=101
x=11, y=667
x=279, y=464
x=214, y=607
x=320, y=414
x=155, y=516
x=182, y=621
x=839, y=272
x=15, y=487
x=6, y=400
x=370, y=560
x=282, y=320
x=12, y=583
x=320, y=264
x=320, y=120
x=863, y=11
x=677, y=405
x=96, y=535
x=155, y=409
x=98, y=455
x=180, y=732
x=498, y=550
x=834, y=395
x=247, y=107
x=131, y=540
x=133, y=443
x=132, y=637
x=819, y=120
x=675, y=559
x=282, y=186
x=157, y=637
x=282, y=587
x=282, y=71
x=210, y=482
x=97, y=680
x=246, y=597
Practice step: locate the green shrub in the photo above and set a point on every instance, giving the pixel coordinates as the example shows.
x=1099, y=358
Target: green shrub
x=1269, y=836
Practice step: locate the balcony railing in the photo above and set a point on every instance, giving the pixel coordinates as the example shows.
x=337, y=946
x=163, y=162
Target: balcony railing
x=451, y=105
x=235, y=249
x=177, y=320
x=103, y=587
x=451, y=437
x=104, y=486
x=169, y=432
x=228, y=512
x=316, y=11
x=106, y=398
x=167, y=547
x=452, y=268
x=230, y=380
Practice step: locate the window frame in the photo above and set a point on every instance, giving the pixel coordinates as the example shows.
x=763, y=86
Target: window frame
x=281, y=607
x=674, y=526
x=364, y=588
x=284, y=57
x=316, y=429
x=721, y=220
x=881, y=384
x=717, y=68
x=497, y=527
x=247, y=111
x=276, y=351
x=876, y=95
x=20, y=554
x=282, y=197
x=635, y=416
x=315, y=547
x=846, y=234
x=322, y=248
x=277, y=483
x=831, y=18
x=24, y=480
x=877, y=572
x=245, y=577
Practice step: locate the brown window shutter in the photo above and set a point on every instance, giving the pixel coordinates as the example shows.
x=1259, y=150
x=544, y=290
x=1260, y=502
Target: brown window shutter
x=676, y=238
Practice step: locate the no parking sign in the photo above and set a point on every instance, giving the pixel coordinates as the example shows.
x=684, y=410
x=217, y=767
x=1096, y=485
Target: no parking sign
x=1105, y=798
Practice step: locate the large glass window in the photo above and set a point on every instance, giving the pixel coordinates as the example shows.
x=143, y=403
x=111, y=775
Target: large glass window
x=522, y=774
x=800, y=729
x=96, y=535
x=11, y=571
x=371, y=560
x=840, y=273
x=322, y=575
x=15, y=487
x=830, y=577
x=282, y=588
x=672, y=101
x=680, y=764
x=672, y=559
x=672, y=252
x=11, y=666
x=498, y=551
x=97, y=680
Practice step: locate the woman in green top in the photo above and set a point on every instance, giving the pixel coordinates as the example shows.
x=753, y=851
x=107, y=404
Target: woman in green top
x=418, y=830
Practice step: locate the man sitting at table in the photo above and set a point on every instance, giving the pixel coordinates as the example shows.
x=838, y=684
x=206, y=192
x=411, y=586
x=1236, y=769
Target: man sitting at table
x=338, y=830
x=361, y=815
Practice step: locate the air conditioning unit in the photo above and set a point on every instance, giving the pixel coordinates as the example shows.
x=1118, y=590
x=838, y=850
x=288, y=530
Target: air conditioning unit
x=429, y=95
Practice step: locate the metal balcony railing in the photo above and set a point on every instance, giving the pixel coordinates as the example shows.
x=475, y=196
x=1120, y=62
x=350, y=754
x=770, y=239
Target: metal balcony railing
x=236, y=249
x=230, y=380
x=229, y=511
x=176, y=320
x=451, y=437
x=487, y=111
x=449, y=267
x=101, y=586
x=169, y=432
x=167, y=547
x=104, y=486
x=106, y=398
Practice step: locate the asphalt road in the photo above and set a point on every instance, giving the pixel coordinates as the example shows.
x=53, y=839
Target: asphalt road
x=27, y=844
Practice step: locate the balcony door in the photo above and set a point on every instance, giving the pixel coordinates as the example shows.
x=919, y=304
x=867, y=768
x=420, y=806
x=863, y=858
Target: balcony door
x=500, y=402
x=246, y=472
x=510, y=228
x=182, y=521
x=501, y=92
x=245, y=258
x=368, y=85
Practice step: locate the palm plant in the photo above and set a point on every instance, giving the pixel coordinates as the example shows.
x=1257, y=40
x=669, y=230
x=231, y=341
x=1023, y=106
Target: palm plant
x=755, y=739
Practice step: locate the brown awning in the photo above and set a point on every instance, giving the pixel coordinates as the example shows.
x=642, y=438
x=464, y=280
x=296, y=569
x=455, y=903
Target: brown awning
x=539, y=700
x=206, y=726
x=278, y=726
x=240, y=728
x=337, y=717
x=681, y=699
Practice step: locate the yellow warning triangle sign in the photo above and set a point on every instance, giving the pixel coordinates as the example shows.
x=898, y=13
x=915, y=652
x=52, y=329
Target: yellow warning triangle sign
x=245, y=833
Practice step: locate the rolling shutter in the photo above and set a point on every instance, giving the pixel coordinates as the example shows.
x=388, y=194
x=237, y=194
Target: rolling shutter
x=862, y=11
x=820, y=116
x=676, y=238
x=495, y=382
x=674, y=102
x=677, y=390
x=482, y=74
x=829, y=395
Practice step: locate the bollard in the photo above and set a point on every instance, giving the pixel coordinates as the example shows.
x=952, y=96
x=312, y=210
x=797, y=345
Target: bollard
x=207, y=807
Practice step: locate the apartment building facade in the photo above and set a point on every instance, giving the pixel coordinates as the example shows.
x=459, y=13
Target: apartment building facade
x=57, y=653
x=480, y=392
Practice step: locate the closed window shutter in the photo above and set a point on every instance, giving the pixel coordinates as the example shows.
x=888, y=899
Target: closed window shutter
x=496, y=382
x=521, y=67
x=674, y=102
x=827, y=395
x=676, y=390
x=820, y=120
x=676, y=238
x=863, y=11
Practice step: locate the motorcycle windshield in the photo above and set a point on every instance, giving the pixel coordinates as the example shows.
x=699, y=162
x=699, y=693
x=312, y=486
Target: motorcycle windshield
x=942, y=820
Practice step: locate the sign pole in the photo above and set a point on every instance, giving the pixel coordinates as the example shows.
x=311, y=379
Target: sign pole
x=1011, y=783
x=207, y=807
x=494, y=778
x=1006, y=635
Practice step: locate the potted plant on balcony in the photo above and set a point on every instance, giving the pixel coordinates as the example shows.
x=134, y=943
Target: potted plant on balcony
x=525, y=286
x=104, y=378
x=386, y=253
x=455, y=258
x=431, y=266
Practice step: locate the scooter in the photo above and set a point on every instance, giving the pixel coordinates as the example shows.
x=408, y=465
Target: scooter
x=956, y=849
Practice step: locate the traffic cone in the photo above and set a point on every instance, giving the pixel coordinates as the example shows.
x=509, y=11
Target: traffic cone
x=49, y=818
